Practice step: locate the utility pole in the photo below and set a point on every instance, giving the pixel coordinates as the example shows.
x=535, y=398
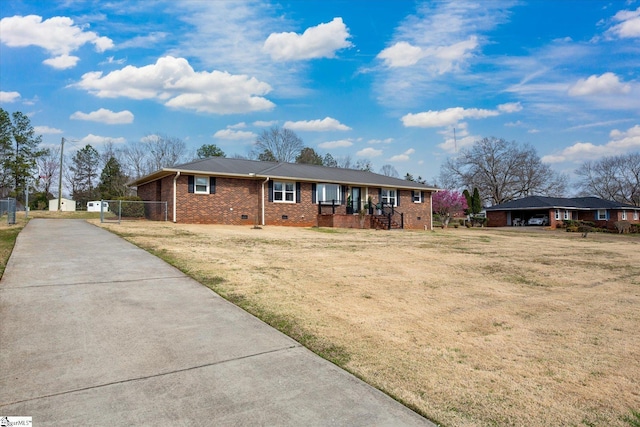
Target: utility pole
x=455, y=141
x=60, y=182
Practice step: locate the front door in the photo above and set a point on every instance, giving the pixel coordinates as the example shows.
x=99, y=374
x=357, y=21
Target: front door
x=355, y=199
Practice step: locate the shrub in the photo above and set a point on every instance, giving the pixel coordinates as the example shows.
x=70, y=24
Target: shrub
x=622, y=226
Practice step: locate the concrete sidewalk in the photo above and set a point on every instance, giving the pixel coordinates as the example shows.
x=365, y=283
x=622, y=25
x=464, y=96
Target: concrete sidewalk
x=95, y=331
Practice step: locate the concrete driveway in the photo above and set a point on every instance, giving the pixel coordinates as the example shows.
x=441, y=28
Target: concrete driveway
x=95, y=331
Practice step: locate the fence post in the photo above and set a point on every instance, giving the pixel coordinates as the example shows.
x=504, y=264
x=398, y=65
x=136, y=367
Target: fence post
x=119, y=210
x=101, y=211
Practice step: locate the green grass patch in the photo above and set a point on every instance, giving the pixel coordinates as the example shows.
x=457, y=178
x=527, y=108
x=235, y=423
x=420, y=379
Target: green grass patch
x=8, y=238
x=633, y=420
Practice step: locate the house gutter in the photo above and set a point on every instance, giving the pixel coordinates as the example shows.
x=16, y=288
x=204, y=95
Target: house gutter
x=175, y=186
x=265, y=181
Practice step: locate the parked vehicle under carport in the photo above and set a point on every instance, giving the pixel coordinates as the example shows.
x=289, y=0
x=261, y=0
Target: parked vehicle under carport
x=538, y=219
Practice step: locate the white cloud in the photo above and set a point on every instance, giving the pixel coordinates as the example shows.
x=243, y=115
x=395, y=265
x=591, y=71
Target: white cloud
x=446, y=117
x=402, y=157
x=325, y=124
x=9, y=96
x=369, y=152
x=510, y=107
x=174, y=82
x=629, y=24
x=441, y=59
x=234, y=135
x=440, y=38
x=105, y=116
x=533, y=131
x=62, y=62
x=517, y=123
x=620, y=142
x=240, y=125
x=58, y=36
x=46, y=130
x=336, y=144
x=381, y=141
x=264, y=123
x=98, y=140
x=321, y=41
x=401, y=54
x=146, y=41
x=606, y=84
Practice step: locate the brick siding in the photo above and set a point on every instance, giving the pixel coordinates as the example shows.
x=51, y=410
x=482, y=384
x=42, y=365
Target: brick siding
x=237, y=202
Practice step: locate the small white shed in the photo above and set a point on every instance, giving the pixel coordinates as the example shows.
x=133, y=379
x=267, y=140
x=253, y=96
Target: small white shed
x=94, y=206
x=66, y=205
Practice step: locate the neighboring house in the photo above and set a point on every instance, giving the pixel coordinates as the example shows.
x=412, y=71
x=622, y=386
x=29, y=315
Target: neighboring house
x=218, y=190
x=66, y=205
x=603, y=213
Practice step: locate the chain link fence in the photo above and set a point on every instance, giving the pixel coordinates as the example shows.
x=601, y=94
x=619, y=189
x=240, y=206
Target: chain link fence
x=132, y=210
x=8, y=207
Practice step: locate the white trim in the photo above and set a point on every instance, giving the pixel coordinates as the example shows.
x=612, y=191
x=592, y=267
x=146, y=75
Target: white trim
x=284, y=192
x=195, y=184
x=395, y=195
x=624, y=215
x=413, y=196
x=175, y=192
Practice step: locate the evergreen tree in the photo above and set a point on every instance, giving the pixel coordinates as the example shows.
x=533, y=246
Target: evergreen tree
x=19, y=148
x=210, y=150
x=309, y=156
x=113, y=181
x=84, y=172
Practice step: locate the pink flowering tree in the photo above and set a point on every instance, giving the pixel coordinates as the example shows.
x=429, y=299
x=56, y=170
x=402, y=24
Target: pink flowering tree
x=446, y=203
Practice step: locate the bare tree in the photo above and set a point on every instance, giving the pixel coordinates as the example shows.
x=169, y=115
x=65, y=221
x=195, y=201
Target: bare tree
x=163, y=151
x=276, y=144
x=48, y=169
x=134, y=160
x=389, y=170
x=502, y=171
x=614, y=178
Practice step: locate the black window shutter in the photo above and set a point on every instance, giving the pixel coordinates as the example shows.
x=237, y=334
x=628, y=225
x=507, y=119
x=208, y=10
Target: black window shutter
x=298, y=192
x=271, y=191
x=343, y=200
x=212, y=185
x=397, y=197
x=191, y=185
x=422, y=197
x=314, y=189
x=380, y=196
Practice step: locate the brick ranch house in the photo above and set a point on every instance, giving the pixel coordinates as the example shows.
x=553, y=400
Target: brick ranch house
x=218, y=190
x=603, y=213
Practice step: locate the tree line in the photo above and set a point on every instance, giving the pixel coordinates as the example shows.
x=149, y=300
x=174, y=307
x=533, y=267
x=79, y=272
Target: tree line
x=500, y=171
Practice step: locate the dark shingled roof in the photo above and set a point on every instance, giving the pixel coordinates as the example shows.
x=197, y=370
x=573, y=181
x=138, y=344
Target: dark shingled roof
x=241, y=168
x=539, y=202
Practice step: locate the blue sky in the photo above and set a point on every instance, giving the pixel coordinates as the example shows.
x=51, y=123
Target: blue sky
x=388, y=81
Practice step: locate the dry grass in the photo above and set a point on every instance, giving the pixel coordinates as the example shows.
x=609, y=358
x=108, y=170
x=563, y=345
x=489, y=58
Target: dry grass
x=469, y=327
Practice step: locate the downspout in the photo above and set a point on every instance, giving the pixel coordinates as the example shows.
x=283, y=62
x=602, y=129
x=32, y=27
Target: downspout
x=266, y=180
x=175, y=186
x=431, y=210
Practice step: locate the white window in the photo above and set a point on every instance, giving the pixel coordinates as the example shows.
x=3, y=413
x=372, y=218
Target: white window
x=624, y=215
x=284, y=192
x=567, y=214
x=389, y=197
x=557, y=216
x=201, y=185
x=635, y=215
x=329, y=193
x=602, y=214
x=417, y=196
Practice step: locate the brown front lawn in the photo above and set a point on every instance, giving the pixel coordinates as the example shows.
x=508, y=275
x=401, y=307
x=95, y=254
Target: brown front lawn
x=470, y=327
